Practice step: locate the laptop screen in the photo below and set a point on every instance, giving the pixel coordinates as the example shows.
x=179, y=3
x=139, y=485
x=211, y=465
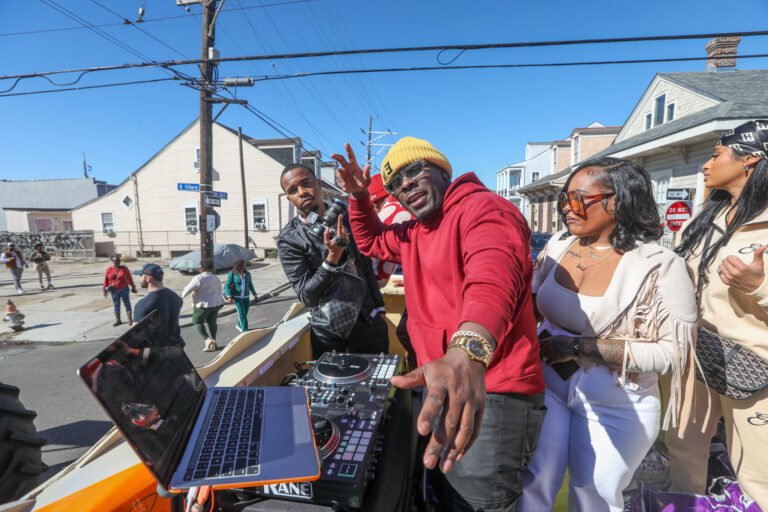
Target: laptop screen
x=151, y=391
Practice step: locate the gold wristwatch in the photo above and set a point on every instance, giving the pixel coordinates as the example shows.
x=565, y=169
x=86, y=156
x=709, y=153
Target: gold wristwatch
x=476, y=346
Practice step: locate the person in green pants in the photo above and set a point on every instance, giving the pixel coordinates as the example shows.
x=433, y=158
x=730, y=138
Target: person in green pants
x=206, y=296
x=237, y=289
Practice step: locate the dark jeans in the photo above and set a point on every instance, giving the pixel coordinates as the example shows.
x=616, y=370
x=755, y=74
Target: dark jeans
x=490, y=475
x=124, y=295
x=368, y=336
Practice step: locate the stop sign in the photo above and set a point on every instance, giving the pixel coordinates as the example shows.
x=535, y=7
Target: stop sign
x=677, y=213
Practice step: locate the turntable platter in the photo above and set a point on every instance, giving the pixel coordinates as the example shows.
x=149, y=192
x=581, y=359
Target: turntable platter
x=326, y=434
x=342, y=369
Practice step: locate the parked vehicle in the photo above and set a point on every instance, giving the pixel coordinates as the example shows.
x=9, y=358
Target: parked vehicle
x=538, y=242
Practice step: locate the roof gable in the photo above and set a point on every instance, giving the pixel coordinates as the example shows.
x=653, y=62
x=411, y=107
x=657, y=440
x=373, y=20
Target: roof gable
x=687, y=101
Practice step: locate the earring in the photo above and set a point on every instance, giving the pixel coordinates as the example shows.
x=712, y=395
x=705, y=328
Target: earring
x=746, y=168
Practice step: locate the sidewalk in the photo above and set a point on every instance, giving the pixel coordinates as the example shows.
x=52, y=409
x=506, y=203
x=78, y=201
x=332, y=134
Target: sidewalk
x=76, y=310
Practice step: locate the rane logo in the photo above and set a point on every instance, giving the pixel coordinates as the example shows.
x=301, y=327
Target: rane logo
x=301, y=490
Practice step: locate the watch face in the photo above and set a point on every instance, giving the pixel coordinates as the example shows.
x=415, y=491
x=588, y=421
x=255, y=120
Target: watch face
x=477, y=348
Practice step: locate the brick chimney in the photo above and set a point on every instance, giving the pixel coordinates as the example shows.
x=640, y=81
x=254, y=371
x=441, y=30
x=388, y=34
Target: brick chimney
x=721, y=47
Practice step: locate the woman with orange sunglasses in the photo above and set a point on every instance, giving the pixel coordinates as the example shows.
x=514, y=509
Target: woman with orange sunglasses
x=617, y=310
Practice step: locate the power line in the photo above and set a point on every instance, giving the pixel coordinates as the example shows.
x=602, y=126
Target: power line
x=398, y=50
x=505, y=66
x=147, y=20
x=477, y=66
x=89, y=87
x=128, y=22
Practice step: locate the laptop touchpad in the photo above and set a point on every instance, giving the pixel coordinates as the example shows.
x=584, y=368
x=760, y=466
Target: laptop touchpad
x=286, y=428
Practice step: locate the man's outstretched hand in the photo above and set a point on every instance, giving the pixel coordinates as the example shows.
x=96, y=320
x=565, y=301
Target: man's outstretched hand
x=349, y=175
x=456, y=387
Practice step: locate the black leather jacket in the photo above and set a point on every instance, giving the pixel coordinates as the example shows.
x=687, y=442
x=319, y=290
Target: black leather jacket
x=302, y=255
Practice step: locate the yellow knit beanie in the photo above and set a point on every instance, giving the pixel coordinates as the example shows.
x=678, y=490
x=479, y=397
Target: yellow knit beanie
x=406, y=151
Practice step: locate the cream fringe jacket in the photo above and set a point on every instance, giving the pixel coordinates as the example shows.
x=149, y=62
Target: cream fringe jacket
x=650, y=304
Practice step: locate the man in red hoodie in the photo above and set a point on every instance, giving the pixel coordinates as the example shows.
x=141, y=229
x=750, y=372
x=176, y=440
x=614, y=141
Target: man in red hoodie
x=467, y=272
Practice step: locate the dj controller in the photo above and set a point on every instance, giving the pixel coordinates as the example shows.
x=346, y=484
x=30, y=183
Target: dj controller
x=349, y=399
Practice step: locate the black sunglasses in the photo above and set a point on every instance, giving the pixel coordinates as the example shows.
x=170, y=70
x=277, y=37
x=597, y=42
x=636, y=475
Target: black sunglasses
x=412, y=171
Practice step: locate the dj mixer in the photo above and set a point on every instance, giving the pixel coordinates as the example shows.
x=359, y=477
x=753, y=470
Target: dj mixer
x=349, y=398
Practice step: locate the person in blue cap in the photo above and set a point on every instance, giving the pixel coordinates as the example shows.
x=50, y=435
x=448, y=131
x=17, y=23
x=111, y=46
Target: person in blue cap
x=159, y=297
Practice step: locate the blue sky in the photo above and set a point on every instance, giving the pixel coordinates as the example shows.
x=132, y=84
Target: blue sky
x=480, y=119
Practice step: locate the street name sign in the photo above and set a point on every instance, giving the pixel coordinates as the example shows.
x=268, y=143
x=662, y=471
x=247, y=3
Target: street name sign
x=195, y=187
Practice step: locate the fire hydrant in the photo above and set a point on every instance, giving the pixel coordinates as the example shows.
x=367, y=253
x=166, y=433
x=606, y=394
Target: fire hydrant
x=13, y=316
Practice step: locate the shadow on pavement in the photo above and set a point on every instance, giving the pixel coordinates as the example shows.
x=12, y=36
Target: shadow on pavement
x=74, y=438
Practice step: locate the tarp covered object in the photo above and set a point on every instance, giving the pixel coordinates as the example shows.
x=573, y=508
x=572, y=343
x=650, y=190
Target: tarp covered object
x=224, y=257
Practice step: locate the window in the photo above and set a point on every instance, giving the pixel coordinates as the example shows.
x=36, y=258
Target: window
x=197, y=159
x=259, y=211
x=42, y=225
x=190, y=218
x=662, y=184
x=670, y=112
x=658, y=111
x=66, y=225
x=534, y=176
x=648, y=121
x=107, y=222
x=127, y=201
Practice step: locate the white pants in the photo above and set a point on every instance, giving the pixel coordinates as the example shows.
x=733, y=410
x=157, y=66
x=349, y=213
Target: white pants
x=599, y=431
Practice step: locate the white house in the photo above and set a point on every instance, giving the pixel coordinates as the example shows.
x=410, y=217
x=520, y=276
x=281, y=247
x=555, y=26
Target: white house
x=156, y=209
x=512, y=177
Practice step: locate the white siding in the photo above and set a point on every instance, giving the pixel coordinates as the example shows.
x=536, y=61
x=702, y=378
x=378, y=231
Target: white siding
x=686, y=103
x=162, y=205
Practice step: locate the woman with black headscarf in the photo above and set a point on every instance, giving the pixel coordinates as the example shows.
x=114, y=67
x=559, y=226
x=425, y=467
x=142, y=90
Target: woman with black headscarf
x=724, y=247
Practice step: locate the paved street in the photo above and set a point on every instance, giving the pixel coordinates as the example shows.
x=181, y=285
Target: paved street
x=43, y=367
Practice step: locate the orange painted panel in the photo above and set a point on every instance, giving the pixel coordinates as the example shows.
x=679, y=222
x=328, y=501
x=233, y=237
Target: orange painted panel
x=132, y=490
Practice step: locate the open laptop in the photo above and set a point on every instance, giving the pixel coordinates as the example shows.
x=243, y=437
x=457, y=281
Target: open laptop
x=188, y=435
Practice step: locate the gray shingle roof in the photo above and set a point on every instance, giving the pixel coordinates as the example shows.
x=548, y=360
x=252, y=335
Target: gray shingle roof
x=744, y=94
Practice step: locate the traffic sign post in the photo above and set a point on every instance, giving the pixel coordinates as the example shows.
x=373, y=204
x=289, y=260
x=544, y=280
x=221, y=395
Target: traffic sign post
x=212, y=201
x=676, y=213
x=679, y=194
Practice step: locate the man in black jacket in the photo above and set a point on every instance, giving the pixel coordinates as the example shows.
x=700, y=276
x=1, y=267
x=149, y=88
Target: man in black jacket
x=315, y=265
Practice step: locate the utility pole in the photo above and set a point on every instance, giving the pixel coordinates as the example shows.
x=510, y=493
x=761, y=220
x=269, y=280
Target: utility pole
x=206, y=129
x=368, y=152
x=242, y=184
x=373, y=142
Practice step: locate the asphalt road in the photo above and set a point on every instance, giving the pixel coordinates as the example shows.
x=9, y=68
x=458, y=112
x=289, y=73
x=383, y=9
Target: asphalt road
x=68, y=416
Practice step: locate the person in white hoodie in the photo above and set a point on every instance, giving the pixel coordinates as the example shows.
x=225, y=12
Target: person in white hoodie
x=208, y=299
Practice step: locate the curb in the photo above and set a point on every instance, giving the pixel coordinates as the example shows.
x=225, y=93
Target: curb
x=271, y=293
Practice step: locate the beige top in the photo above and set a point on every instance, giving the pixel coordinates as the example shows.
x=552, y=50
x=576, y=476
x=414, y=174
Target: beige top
x=205, y=289
x=649, y=304
x=742, y=317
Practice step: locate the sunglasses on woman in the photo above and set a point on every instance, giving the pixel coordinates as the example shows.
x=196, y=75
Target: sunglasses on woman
x=412, y=171
x=575, y=201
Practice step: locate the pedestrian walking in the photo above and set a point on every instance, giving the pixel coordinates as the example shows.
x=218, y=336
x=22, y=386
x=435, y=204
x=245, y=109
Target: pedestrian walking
x=160, y=298
x=207, y=298
x=41, y=258
x=237, y=290
x=116, y=282
x=14, y=260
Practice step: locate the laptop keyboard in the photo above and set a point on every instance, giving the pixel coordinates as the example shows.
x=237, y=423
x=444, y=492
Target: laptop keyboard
x=232, y=441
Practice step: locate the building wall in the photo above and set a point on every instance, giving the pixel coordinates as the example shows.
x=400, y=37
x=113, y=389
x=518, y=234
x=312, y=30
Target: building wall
x=591, y=144
x=686, y=103
x=16, y=221
x=162, y=206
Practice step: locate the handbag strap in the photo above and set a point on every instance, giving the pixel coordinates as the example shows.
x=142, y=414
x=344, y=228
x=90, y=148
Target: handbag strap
x=701, y=270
